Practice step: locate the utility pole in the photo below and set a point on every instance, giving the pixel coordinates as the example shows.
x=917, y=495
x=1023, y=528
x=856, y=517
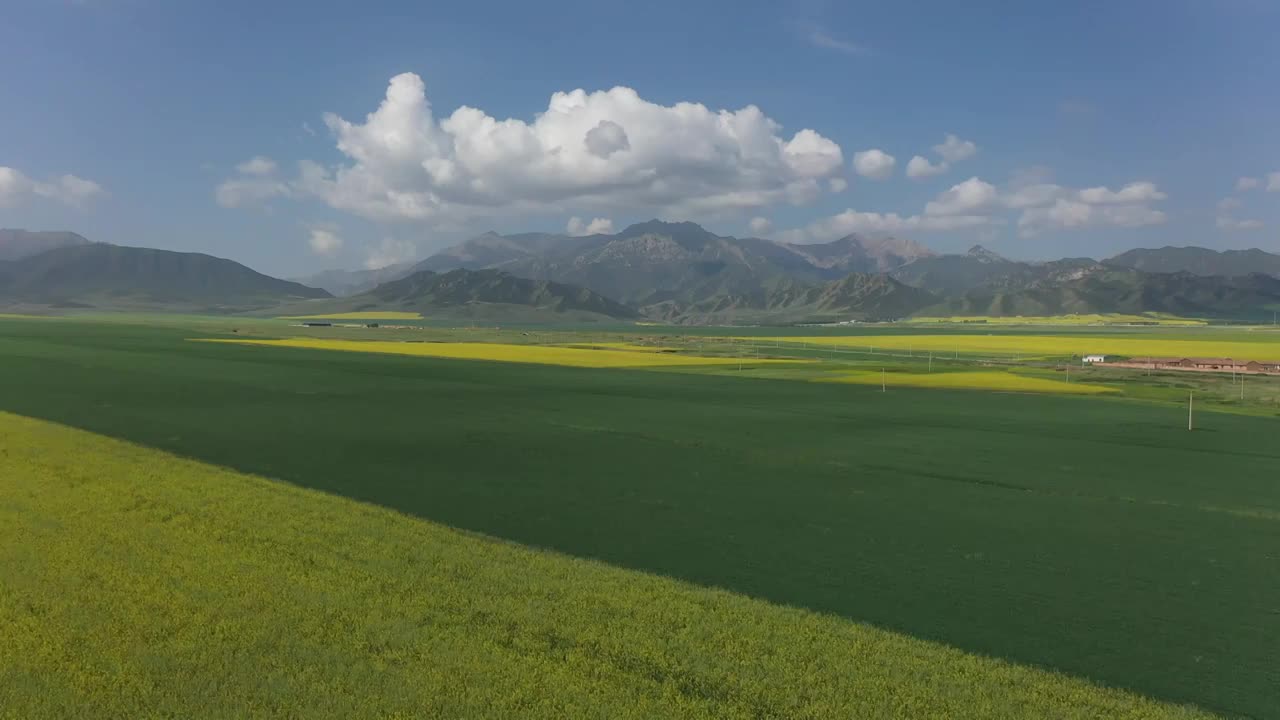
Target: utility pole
x=1242, y=387
x=1068, y=373
x=1191, y=403
x=881, y=379
x=930, y=361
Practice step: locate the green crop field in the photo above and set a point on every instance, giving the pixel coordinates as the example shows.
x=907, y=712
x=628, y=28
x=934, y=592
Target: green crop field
x=354, y=611
x=224, y=529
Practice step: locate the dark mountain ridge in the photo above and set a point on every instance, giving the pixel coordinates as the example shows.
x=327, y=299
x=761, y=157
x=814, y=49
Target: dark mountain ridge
x=475, y=293
x=102, y=275
x=676, y=271
x=682, y=272
x=18, y=244
x=1199, y=261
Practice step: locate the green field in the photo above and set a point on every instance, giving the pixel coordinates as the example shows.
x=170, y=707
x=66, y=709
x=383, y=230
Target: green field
x=355, y=611
x=1082, y=319
x=722, y=543
x=369, y=315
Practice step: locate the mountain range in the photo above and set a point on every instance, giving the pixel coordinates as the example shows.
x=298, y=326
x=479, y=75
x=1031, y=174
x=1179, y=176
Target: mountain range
x=1199, y=261
x=674, y=272
x=474, y=294
x=680, y=272
x=342, y=283
x=84, y=274
x=17, y=244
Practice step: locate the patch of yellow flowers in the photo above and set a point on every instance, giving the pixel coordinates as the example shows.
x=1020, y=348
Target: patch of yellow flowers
x=1046, y=345
x=536, y=354
x=978, y=380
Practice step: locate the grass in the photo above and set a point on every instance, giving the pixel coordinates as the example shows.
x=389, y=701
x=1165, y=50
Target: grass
x=537, y=354
x=1094, y=537
x=1265, y=347
x=1085, y=319
x=369, y=315
x=977, y=380
x=144, y=584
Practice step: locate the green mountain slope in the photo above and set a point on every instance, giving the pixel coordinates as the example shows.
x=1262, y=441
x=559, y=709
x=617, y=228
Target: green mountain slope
x=648, y=263
x=112, y=276
x=474, y=293
x=857, y=296
x=18, y=244
x=953, y=274
x=859, y=253
x=494, y=251
x=1199, y=261
x=1126, y=291
x=658, y=262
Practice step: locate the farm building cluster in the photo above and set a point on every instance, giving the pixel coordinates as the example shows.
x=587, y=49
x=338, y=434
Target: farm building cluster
x=1256, y=367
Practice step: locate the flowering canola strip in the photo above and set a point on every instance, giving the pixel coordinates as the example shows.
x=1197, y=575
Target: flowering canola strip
x=1007, y=382
x=1047, y=345
x=536, y=354
x=368, y=315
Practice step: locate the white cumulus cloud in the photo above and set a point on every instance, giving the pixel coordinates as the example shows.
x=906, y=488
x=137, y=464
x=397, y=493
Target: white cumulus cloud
x=1048, y=206
x=390, y=252
x=953, y=149
x=597, y=226
x=1230, y=223
x=606, y=151
x=837, y=184
x=761, y=226
x=855, y=221
x=1247, y=183
x=254, y=184
x=1132, y=193
x=257, y=165
x=607, y=138
x=973, y=196
x=978, y=204
x=1273, y=182
x=1065, y=214
x=324, y=242
x=920, y=167
x=1034, y=195
x=875, y=164
x=1228, y=204
x=17, y=188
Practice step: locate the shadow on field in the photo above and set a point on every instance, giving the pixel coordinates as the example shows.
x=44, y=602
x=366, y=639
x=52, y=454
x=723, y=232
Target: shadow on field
x=1095, y=537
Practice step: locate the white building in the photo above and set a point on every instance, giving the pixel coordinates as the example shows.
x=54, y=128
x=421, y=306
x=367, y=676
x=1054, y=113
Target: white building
x=1095, y=358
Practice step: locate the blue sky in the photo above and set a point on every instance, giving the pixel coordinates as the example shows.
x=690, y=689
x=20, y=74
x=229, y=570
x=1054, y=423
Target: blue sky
x=1079, y=128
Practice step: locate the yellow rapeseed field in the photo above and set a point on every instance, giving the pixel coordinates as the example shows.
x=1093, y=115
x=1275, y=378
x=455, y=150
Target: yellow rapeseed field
x=630, y=346
x=979, y=380
x=537, y=354
x=141, y=584
x=370, y=315
x=1052, y=345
